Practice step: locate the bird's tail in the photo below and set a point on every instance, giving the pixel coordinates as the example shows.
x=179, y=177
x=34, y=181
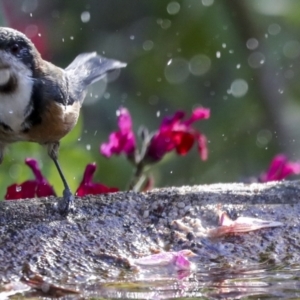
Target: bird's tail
x=88, y=68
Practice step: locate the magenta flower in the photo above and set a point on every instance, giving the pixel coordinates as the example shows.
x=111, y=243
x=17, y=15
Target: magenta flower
x=122, y=141
x=87, y=187
x=174, y=133
x=280, y=168
x=39, y=187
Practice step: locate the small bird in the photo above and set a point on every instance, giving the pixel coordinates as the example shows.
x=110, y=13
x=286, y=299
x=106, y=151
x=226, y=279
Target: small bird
x=40, y=102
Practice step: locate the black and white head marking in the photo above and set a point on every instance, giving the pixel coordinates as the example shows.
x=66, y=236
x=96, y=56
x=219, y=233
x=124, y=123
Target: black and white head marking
x=16, y=77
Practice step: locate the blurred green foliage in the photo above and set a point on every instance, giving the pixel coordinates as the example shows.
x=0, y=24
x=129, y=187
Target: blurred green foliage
x=239, y=57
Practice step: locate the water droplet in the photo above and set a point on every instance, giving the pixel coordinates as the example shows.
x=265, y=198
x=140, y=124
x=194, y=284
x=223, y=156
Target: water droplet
x=165, y=24
x=274, y=29
x=158, y=114
x=263, y=137
x=224, y=45
x=88, y=147
x=256, y=59
x=238, y=66
x=252, y=44
x=72, y=38
x=218, y=54
x=148, y=45
x=207, y=2
x=85, y=17
x=291, y=49
x=273, y=7
x=31, y=31
x=153, y=100
x=199, y=64
x=15, y=171
x=132, y=37
x=177, y=70
x=106, y=95
x=159, y=21
x=239, y=88
x=18, y=188
x=28, y=6
x=173, y=8
x=11, y=112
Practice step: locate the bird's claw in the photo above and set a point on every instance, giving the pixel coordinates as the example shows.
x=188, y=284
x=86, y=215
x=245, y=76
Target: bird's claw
x=65, y=204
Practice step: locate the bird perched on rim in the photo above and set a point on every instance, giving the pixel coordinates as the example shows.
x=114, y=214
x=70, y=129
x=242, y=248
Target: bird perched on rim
x=40, y=102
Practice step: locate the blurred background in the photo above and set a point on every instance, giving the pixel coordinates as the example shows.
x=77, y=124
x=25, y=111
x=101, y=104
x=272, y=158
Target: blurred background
x=240, y=58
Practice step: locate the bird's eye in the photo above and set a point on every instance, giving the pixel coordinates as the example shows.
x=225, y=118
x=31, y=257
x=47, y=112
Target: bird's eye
x=15, y=48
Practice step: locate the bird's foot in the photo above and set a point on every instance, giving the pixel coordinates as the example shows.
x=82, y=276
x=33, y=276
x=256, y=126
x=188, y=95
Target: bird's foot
x=66, y=203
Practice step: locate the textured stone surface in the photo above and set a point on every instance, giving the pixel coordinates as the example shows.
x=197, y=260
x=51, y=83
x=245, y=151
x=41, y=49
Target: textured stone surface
x=105, y=232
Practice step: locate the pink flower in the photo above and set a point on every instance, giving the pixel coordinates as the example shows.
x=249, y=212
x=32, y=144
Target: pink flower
x=39, y=187
x=174, y=133
x=122, y=141
x=280, y=168
x=179, y=260
x=87, y=187
x=240, y=225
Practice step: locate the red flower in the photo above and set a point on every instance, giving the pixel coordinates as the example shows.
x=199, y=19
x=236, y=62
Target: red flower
x=87, y=187
x=280, y=168
x=174, y=133
x=122, y=140
x=39, y=187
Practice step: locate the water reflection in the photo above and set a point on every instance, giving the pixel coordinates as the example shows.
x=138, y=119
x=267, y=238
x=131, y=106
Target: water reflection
x=229, y=282
x=214, y=283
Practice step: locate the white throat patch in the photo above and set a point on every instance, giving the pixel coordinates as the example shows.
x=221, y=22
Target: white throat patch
x=13, y=105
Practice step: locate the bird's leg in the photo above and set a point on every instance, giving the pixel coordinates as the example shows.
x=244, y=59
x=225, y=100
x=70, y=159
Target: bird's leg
x=68, y=198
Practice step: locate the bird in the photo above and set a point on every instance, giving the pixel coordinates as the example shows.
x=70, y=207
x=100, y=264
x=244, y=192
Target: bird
x=39, y=101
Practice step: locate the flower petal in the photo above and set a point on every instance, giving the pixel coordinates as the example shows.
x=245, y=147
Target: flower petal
x=122, y=140
x=202, y=146
x=44, y=189
x=160, y=144
x=34, y=166
x=87, y=187
x=177, y=134
x=184, y=141
x=124, y=120
x=169, y=122
x=280, y=168
x=198, y=113
x=24, y=190
x=241, y=224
